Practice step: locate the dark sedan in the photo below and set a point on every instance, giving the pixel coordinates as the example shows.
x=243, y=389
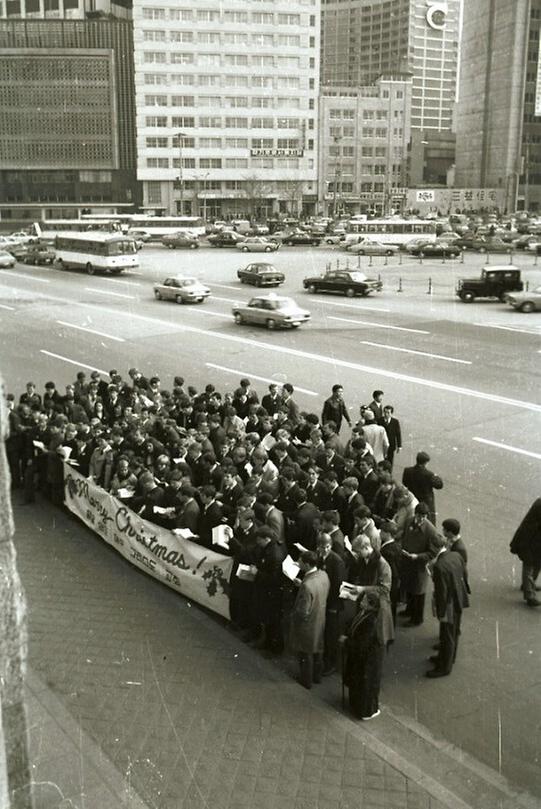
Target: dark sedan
x=301, y=238
x=349, y=283
x=180, y=241
x=436, y=250
x=261, y=274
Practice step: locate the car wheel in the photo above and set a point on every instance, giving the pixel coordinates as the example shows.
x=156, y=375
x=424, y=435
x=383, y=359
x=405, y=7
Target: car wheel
x=329, y=241
x=90, y=269
x=244, y=249
x=179, y=299
x=271, y=324
x=527, y=307
x=315, y=244
x=194, y=246
x=257, y=282
x=359, y=253
x=482, y=250
x=288, y=244
x=312, y=288
x=242, y=280
x=350, y=292
x=268, y=249
x=157, y=294
x=171, y=246
x=389, y=252
x=467, y=296
x=60, y=263
x=239, y=319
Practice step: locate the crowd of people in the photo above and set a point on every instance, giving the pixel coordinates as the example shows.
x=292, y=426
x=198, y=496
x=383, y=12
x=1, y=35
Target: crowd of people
x=286, y=484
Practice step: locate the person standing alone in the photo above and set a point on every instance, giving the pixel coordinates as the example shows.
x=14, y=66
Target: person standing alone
x=308, y=619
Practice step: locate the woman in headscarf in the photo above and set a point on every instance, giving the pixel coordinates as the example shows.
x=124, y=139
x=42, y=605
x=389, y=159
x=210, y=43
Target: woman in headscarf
x=364, y=653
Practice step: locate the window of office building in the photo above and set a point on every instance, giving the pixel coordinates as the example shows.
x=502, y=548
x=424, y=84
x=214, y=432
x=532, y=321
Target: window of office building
x=182, y=58
x=236, y=143
x=236, y=59
x=181, y=14
x=155, y=78
x=236, y=163
x=156, y=100
x=262, y=123
x=235, y=38
x=156, y=120
x=155, y=57
x=236, y=81
x=263, y=40
x=187, y=162
x=288, y=143
x=287, y=123
x=262, y=162
x=210, y=143
x=157, y=162
x=208, y=37
x=157, y=143
x=261, y=143
x=262, y=60
x=182, y=121
x=210, y=122
x=236, y=101
x=208, y=15
x=289, y=19
x=236, y=16
x=289, y=41
x=181, y=36
x=153, y=13
x=236, y=123
x=262, y=18
x=293, y=102
x=210, y=162
x=262, y=102
x=209, y=101
x=208, y=58
x=183, y=101
x=154, y=36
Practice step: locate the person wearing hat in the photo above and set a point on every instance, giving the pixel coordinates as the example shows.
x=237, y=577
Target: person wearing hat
x=420, y=545
x=422, y=483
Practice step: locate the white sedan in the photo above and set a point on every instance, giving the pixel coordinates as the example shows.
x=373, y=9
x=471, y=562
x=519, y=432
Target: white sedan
x=257, y=244
x=373, y=248
x=6, y=259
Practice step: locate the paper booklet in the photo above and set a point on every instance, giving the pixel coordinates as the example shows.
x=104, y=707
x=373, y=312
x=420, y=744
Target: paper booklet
x=290, y=568
x=348, y=590
x=39, y=444
x=161, y=510
x=125, y=492
x=221, y=534
x=245, y=573
x=184, y=533
x=347, y=543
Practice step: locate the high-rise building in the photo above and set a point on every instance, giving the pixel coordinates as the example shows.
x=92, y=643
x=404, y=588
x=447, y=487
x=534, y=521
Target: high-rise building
x=364, y=134
x=364, y=39
x=226, y=96
x=63, y=9
x=67, y=127
x=499, y=110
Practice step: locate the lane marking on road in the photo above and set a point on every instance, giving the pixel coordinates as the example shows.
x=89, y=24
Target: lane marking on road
x=108, y=292
x=377, y=325
x=25, y=275
x=135, y=272
x=4, y=306
x=210, y=312
x=226, y=300
x=91, y=331
x=335, y=362
x=122, y=281
x=355, y=306
x=420, y=353
x=224, y=286
x=507, y=447
x=73, y=362
x=255, y=376
x=535, y=332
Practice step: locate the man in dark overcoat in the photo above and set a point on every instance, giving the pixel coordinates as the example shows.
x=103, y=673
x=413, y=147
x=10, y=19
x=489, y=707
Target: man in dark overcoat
x=526, y=544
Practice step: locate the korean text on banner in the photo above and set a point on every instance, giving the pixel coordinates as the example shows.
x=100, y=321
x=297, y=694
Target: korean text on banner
x=199, y=574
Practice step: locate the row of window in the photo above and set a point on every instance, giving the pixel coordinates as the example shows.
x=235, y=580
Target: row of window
x=217, y=122
x=231, y=38
x=219, y=80
x=230, y=143
x=218, y=59
x=233, y=102
x=222, y=16
x=226, y=163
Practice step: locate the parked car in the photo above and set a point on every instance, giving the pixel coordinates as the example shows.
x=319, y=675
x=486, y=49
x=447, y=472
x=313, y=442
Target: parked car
x=495, y=245
x=257, y=244
x=182, y=289
x=301, y=238
x=412, y=244
x=6, y=259
x=495, y=282
x=436, y=249
x=271, y=311
x=225, y=238
x=261, y=274
x=525, y=301
x=349, y=283
x=373, y=248
x=139, y=235
x=39, y=254
x=258, y=229
x=528, y=242
x=180, y=240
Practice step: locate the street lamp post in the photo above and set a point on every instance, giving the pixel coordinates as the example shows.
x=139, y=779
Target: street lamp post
x=180, y=136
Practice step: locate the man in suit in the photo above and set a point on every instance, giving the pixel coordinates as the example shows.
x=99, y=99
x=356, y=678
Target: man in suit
x=270, y=516
x=450, y=598
x=211, y=515
x=368, y=483
x=392, y=553
x=420, y=545
x=421, y=482
x=353, y=502
x=330, y=524
x=289, y=406
x=391, y=426
x=308, y=619
x=303, y=528
x=334, y=408
x=526, y=543
x=271, y=401
x=337, y=496
x=376, y=405
x=334, y=567
x=268, y=590
x=332, y=462
x=316, y=491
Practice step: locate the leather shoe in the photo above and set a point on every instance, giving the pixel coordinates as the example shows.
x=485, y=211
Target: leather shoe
x=436, y=673
x=533, y=602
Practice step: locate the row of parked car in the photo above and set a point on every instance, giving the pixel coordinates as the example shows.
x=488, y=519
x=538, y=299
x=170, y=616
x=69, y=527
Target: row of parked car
x=25, y=249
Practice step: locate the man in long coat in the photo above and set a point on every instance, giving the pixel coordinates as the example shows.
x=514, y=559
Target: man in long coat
x=419, y=546
x=527, y=545
x=308, y=619
x=450, y=598
x=421, y=482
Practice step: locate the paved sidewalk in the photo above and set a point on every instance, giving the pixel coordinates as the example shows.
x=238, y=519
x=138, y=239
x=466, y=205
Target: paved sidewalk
x=139, y=699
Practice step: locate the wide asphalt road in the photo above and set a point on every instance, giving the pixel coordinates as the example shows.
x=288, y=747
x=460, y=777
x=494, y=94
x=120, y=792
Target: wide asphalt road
x=464, y=381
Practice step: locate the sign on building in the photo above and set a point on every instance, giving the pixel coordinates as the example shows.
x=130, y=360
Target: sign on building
x=425, y=196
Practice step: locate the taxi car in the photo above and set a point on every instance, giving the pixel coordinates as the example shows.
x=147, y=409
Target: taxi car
x=257, y=244
x=182, y=289
x=525, y=301
x=261, y=274
x=346, y=282
x=180, y=240
x=272, y=311
x=372, y=248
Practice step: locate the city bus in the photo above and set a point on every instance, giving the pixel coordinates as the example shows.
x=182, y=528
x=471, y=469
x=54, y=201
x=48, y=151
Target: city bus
x=154, y=226
x=390, y=231
x=96, y=251
x=158, y=226
x=48, y=228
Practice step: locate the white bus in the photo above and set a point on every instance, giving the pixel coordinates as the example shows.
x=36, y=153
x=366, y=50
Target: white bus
x=158, y=226
x=49, y=228
x=96, y=252
x=390, y=231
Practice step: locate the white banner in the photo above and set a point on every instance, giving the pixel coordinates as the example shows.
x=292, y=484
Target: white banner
x=199, y=574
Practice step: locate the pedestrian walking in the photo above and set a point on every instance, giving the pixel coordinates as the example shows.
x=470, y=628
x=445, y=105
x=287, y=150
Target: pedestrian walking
x=334, y=408
x=526, y=544
x=422, y=482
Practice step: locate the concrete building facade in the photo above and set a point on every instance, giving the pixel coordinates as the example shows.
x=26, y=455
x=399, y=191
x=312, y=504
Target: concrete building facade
x=364, y=39
x=364, y=136
x=497, y=56
x=227, y=105
x=67, y=129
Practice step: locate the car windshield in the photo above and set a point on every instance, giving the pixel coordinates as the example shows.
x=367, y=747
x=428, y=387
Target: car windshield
x=358, y=276
x=186, y=282
x=284, y=303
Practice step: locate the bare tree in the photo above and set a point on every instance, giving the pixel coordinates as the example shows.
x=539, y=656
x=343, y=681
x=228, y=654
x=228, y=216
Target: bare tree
x=293, y=190
x=256, y=191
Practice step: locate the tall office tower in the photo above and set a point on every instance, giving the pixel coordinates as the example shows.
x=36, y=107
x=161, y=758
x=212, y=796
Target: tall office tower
x=499, y=110
x=226, y=94
x=63, y=9
x=364, y=39
x=67, y=126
